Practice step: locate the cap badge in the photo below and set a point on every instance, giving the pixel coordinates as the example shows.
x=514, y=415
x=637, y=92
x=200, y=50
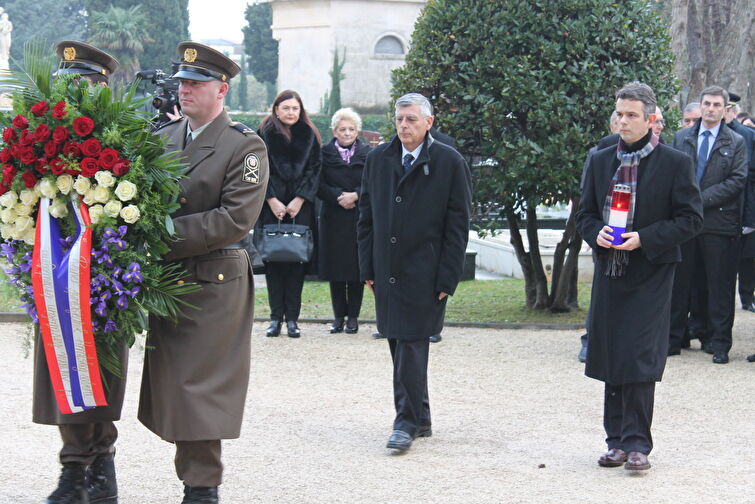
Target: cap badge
x=69, y=53
x=190, y=55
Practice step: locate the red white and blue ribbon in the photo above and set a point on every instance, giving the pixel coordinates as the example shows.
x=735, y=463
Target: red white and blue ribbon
x=61, y=282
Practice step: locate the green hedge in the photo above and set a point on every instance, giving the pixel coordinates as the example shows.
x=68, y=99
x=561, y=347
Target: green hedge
x=370, y=122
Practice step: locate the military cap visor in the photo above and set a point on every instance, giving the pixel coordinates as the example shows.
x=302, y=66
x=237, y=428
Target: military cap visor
x=194, y=73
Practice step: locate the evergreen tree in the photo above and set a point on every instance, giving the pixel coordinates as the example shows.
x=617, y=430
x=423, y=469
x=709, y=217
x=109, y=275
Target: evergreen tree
x=122, y=33
x=526, y=87
x=243, y=84
x=336, y=76
x=260, y=46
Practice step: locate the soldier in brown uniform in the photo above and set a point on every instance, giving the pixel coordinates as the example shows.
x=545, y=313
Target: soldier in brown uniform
x=88, y=474
x=196, y=375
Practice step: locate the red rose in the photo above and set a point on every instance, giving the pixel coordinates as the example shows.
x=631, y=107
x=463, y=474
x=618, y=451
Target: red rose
x=9, y=135
x=42, y=133
x=51, y=149
x=59, y=110
x=26, y=138
x=26, y=155
x=72, y=149
x=5, y=155
x=40, y=108
x=14, y=150
x=107, y=159
x=20, y=122
x=41, y=166
x=60, y=134
x=57, y=166
x=83, y=126
x=89, y=166
x=9, y=171
x=91, y=147
x=29, y=179
x=121, y=167
x=4, y=189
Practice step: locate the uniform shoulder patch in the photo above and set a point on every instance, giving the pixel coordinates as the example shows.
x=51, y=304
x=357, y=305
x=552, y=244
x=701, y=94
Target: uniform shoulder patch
x=243, y=128
x=251, y=174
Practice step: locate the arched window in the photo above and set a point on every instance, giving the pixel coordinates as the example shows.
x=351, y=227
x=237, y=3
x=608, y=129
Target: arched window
x=389, y=45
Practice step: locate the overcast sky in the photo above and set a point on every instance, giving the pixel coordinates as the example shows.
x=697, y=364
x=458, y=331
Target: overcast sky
x=217, y=19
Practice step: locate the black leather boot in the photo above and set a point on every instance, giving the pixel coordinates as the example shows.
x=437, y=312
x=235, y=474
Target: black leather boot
x=200, y=495
x=71, y=486
x=101, y=485
x=293, y=329
x=337, y=326
x=352, y=325
x=274, y=329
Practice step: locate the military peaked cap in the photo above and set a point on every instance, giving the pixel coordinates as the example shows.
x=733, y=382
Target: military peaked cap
x=84, y=59
x=202, y=63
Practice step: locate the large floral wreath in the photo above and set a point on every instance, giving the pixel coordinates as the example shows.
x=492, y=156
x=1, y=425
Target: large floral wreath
x=82, y=171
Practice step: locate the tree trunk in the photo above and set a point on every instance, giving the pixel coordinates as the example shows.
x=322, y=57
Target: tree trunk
x=541, y=281
x=714, y=44
x=563, y=296
x=530, y=289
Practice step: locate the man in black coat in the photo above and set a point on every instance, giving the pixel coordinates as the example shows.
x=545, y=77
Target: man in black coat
x=721, y=171
x=412, y=235
x=631, y=292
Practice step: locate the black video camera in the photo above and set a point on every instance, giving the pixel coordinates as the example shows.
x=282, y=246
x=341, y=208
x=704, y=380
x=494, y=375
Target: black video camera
x=166, y=93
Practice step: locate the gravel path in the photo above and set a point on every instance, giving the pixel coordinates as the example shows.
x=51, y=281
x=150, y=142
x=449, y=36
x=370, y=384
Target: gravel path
x=504, y=403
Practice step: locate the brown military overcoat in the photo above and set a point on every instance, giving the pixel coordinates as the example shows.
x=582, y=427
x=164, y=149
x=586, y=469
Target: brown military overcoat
x=196, y=372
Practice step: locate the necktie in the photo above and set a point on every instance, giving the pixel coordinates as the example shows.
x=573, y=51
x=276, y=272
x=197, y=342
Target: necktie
x=189, y=138
x=408, y=162
x=702, y=156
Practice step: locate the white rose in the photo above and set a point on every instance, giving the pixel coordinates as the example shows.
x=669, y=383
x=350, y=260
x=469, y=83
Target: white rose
x=9, y=199
x=6, y=230
x=113, y=207
x=82, y=185
x=95, y=213
x=15, y=234
x=126, y=190
x=47, y=188
x=89, y=197
x=64, y=183
x=58, y=209
x=30, y=236
x=8, y=215
x=22, y=209
x=105, y=178
x=101, y=194
x=28, y=197
x=130, y=213
x=22, y=223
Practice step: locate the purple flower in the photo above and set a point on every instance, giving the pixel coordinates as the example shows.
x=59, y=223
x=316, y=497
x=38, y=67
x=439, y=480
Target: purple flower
x=118, y=243
x=8, y=250
x=110, y=326
x=96, y=325
x=105, y=296
x=31, y=310
x=122, y=231
x=117, y=272
x=122, y=302
x=109, y=233
x=134, y=292
x=101, y=309
x=133, y=273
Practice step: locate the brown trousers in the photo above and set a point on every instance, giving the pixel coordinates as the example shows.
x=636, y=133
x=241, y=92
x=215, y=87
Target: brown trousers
x=82, y=443
x=198, y=463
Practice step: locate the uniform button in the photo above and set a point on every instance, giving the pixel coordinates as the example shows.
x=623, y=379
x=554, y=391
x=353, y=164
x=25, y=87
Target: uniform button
x=392, y=280
x=180, y=282
x=183, y=201
x=221, y=277
x=398, y=199
x=393, y=239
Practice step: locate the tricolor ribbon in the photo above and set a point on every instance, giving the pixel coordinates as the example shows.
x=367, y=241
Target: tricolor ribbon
x=61, y=282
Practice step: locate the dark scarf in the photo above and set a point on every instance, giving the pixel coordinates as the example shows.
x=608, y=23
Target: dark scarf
x=626, y=174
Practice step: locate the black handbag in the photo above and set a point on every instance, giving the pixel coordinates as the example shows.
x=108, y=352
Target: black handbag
x=284, y=243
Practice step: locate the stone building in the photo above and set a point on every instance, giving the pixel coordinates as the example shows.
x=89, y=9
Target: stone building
x=374, y=34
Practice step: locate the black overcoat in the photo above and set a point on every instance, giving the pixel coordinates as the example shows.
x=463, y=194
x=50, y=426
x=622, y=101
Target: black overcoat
x=294, y=171
x=412, y=233
x=630, y=319
x=337, y=253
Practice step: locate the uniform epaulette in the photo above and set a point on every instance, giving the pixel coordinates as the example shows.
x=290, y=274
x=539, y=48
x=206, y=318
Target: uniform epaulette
x=243, y=128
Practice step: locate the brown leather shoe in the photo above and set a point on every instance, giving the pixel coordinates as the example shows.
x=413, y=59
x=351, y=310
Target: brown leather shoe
x=612, y=458
x=637, y=462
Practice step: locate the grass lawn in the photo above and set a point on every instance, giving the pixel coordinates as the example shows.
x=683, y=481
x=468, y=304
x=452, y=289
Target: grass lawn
x=474, y=301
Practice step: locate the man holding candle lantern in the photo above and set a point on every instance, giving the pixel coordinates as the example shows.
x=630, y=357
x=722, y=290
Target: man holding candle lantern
x=649, y=190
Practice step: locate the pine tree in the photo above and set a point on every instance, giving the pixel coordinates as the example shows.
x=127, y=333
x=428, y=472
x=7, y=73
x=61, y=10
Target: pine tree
x=243, y=84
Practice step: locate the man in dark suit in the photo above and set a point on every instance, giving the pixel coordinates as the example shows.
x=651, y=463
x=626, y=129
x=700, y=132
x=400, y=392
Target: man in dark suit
x=721, y=171
x=632, y=282
x=88, y=473
x=196, y=371
x=412, y=235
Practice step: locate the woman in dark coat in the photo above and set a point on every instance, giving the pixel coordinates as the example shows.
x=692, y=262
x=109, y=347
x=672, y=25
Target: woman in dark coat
x=293, y=149
x=342, y=163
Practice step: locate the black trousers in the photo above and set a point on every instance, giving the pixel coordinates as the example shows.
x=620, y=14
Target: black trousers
x=746, y=280
x=709, y=262
x=410, y=384
x=627, y=416
x=285, y=282
x=82, y=443
x=346, y=298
